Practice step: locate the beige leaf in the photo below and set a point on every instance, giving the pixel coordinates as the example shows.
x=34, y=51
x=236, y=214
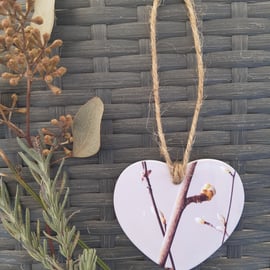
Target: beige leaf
x=86, y=128
x=45, y=9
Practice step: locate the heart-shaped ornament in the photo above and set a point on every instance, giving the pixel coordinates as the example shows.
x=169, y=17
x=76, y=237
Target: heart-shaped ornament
x=179, y=226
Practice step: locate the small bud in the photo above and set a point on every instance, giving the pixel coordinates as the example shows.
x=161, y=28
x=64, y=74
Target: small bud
x=28, y=29
x=69, y=119
x=56, y=43
x=18, y=42
x=5, y=23
x=18, y=8
x=56, y=90
x=162, y=218
x=37, y=20
x=199, y=220
x=209, y=191
x=48, y=139
x=21, y=110
x=68, y=152
x=46, y=61
x=14, y=81
x=40, y=68
x=46, y=152
x=60, y=71
x=48, y=50
x=67, y=135
x=14, y=97
x=54, y=122
x=55, y=60
x=46, y=131
x=62, y=118
x=8, y=41
x=9, y=31
x=48, y=79
x=46, y=38
x=7, y=75
x=221, y=218
x=11, y=64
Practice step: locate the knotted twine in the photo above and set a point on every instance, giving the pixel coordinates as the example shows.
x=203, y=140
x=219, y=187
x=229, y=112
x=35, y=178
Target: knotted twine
x=177, y=169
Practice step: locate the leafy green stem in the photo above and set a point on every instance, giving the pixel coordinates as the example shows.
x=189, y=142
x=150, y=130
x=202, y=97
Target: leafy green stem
x=42, y=200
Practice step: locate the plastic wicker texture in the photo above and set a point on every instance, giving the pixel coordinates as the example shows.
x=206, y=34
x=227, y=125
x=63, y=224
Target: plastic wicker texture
x=107, y=53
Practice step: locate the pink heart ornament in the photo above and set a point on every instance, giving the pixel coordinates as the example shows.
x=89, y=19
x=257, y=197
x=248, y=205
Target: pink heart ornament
x=145, y=202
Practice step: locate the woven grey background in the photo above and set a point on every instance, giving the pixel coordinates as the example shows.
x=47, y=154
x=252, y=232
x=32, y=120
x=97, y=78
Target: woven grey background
x=107, y=53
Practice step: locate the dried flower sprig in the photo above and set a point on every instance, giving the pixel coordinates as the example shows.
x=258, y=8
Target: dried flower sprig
x=54, y=215
x=61, y=137
x=27, y=53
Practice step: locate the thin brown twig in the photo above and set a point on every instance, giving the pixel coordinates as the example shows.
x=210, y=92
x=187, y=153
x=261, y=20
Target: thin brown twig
x=163, y=230
x=230, y=206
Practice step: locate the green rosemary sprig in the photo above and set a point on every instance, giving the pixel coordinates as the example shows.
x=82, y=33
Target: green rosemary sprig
x=12, y=220
x=66, y=237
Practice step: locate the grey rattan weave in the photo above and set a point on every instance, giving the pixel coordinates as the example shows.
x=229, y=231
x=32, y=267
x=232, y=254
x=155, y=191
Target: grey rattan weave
x=107, y=53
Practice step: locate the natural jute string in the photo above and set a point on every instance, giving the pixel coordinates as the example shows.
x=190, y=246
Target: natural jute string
x=178, y=169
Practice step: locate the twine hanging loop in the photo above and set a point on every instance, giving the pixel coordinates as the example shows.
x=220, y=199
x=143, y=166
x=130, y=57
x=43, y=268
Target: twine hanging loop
x=177, y=169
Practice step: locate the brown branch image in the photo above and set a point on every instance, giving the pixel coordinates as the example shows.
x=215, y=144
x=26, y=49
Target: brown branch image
x=180, y=206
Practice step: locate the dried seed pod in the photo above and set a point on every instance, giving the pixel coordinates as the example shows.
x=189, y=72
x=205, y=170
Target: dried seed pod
x=45, y=62
x=9, y=31
x=18, y=43
x=8, y=41
x=62, y=118
x=14, y=81
x=69, y=120
x=46, y=152
x=54, y=122
x=60, y=72
x=28, y=29
x=7, y=75
x=18, y=8
x=55, y=60
x=46, y=38
x=48, y=50
x=56, y=43
x=48, y=79
x=5, y=23
x=56, y=90
x=48, y=139
x=37, y=20
x=36, y=35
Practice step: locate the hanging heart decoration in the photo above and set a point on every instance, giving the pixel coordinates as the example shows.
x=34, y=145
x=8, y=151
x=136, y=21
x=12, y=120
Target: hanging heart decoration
x=175, y=226
x=178, y=226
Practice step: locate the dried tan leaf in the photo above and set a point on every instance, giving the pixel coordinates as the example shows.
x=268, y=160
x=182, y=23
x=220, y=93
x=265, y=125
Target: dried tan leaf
x=86, y=128
x=45, y=9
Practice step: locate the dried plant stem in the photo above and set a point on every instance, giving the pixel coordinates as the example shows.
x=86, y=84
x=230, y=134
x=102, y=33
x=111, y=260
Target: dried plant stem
x=28, y=105
x=180, y=205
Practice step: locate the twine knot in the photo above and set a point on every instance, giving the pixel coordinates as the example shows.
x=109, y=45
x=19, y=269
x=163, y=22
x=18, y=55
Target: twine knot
x=178, y=172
